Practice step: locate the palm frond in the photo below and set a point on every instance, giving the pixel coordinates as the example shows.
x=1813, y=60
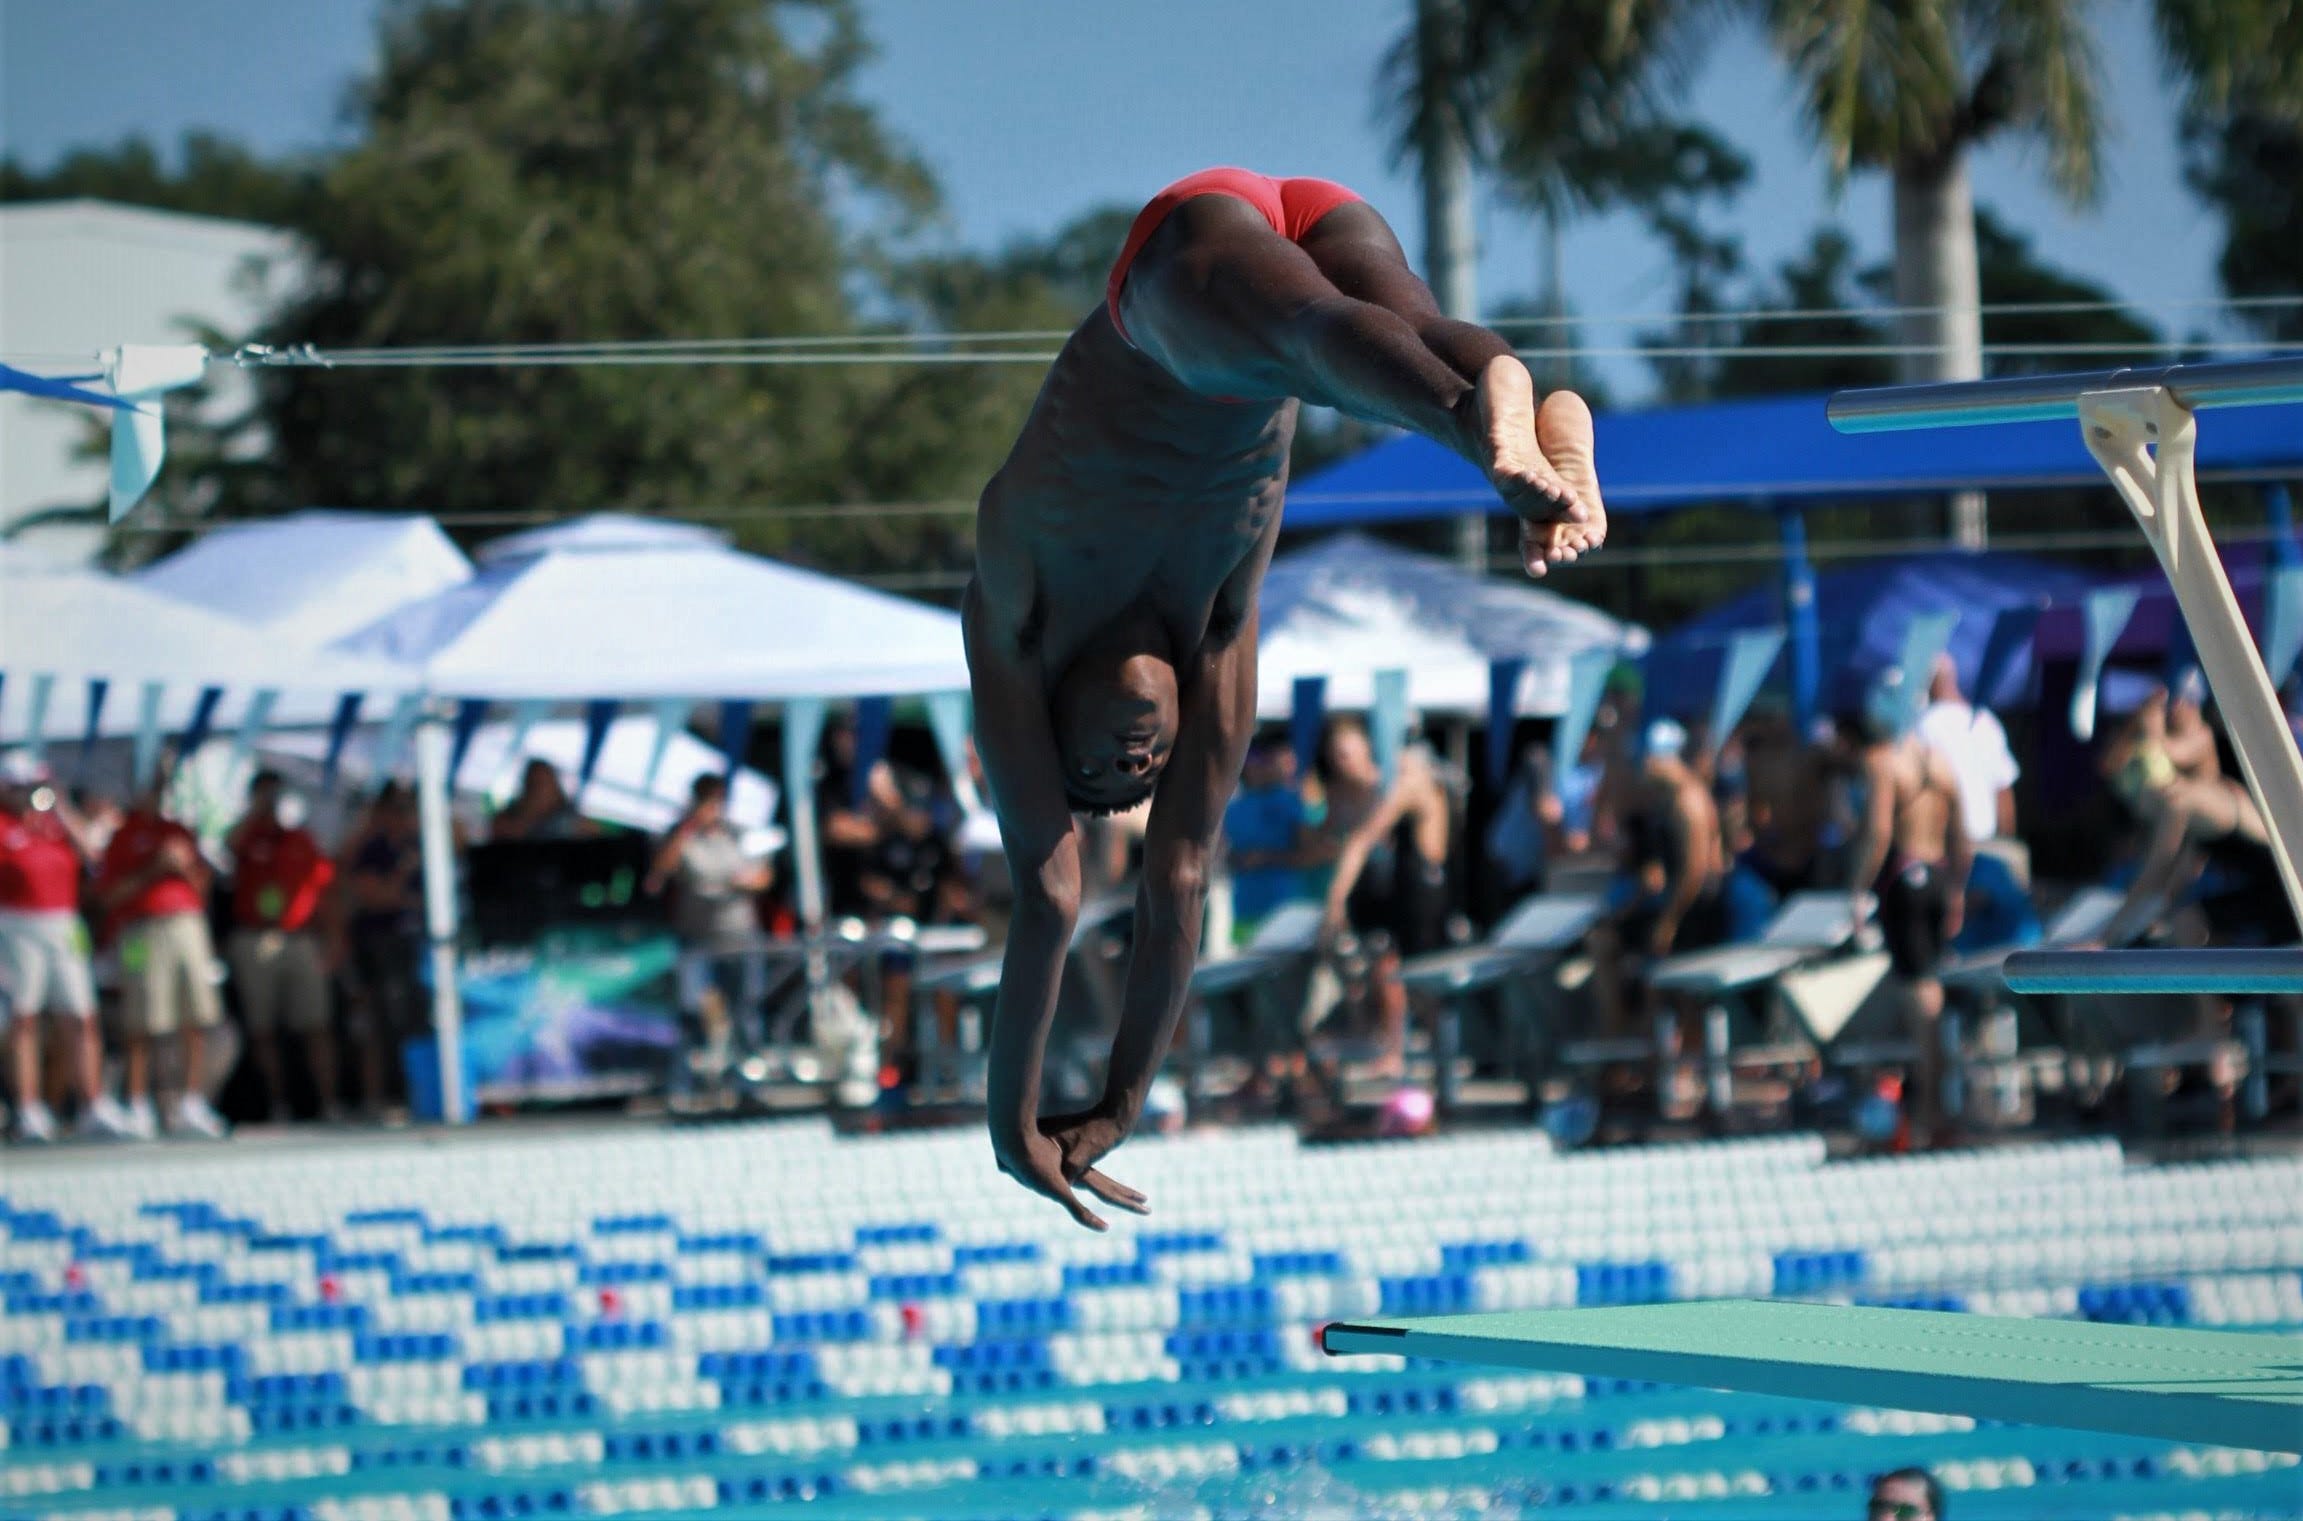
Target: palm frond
x=1586, y=91
x=2050, y=72
x=2235, y=56
x=1883, y=80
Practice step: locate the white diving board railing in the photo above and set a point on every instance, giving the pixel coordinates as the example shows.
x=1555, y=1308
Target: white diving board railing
x=2139, y=425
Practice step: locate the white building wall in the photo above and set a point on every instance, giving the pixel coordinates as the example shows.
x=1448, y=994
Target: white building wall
x=78, y=277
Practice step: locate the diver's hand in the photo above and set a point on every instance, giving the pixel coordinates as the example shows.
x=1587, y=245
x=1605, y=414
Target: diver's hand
x=1037, y=1162
x=1085, y=1139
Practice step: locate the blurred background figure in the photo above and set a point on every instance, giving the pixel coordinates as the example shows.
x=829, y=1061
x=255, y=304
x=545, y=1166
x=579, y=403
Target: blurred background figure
x=1908, y=1494
x=286, y=940
x=1270, y=840
x=1973, y=740
x=1522, y=835
x=715, y=885
x=541, y=809
x=382, y=868
x=1910, y=856
x=1389, y=886
x=1669, y=887
x=153, y=892
x=1787, y=801
x=2166, y=766
x=845, y=828
x=45, y=971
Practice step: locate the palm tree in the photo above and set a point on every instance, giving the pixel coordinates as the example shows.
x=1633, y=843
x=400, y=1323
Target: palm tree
x=1580, y=89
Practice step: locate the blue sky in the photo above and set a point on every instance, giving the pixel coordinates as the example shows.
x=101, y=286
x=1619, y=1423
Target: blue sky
x=1031, y=111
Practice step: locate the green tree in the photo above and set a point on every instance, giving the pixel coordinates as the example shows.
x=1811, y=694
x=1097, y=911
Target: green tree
x=541, y=171
x=1904, y=87
x=2012, y=275
x=1822, y=323
x=2243, y=127
x=2250, y=168
x=956, y=422
x=210, y=176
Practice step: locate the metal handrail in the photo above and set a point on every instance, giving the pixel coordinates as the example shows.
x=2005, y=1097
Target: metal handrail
x=2029, y=398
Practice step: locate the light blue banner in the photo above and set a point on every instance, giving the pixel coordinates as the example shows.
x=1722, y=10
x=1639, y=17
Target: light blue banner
x=147, y=751
x=1388, y=720
x=1750, y=656
x=392, y=744
x=948, y=717
x=36, y=715
x=1587, y=675
x=2106, y=613
x=671, y=716
x=253, y=722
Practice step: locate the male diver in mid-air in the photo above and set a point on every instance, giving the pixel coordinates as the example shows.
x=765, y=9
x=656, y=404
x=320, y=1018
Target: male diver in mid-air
x=1111, y=624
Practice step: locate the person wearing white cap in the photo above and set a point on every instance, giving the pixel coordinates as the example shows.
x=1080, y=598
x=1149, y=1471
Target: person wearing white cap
x=44, y=952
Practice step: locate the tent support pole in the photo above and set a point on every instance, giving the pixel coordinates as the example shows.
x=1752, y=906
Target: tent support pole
x=440, y=928
x=1799, y=616
x=803, y=727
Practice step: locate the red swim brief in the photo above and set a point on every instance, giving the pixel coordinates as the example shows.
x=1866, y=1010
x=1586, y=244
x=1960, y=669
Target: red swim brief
x=1291, y=206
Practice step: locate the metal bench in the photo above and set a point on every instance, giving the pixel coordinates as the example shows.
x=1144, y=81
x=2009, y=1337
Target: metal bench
x=1810, y=927
x=1506, y=970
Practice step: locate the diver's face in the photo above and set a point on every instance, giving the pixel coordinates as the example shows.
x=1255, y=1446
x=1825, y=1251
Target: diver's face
x=1115, y=729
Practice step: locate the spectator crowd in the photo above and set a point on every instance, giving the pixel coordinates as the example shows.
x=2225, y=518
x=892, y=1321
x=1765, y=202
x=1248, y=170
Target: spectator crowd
x=120, y=938
x=1904, y=803
x=137, y=963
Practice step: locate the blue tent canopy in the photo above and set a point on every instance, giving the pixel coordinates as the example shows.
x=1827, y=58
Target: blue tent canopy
x=1863, y=612
x=1779, y=450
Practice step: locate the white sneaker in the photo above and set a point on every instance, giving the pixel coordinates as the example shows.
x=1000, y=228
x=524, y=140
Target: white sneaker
x=35, y=1124
x=192, y=1116
x=137, y=1122
x=107, y=1119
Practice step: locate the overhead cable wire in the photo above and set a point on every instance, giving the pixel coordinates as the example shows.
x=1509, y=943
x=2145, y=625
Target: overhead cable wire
x=616, y=356
x=940, y=347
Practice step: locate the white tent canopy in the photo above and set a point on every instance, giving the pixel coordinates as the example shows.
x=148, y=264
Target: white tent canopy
x=71, y=626
x=679, y=621
x=602, y=531
x=1351, y=606
x=312, y=576
x=636, y=611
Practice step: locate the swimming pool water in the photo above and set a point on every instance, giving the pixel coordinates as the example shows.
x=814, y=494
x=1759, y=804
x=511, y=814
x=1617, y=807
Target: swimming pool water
x=744, y=1320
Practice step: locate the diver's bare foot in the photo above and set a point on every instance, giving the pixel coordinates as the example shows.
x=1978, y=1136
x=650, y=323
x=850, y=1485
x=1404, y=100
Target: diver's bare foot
x=1504, y=419
x=1563, y=430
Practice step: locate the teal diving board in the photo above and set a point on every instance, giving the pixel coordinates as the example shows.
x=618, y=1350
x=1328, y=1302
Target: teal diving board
x=2223, y=1388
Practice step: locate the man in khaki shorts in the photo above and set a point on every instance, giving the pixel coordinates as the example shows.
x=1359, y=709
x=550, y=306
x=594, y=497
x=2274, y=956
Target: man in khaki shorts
x=153, y=887
x=44, y=952
x=281, y=898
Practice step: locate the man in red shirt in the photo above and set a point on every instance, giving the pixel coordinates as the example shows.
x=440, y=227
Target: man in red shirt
x=281, y=945
x=153, y=888
x=44, y=951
